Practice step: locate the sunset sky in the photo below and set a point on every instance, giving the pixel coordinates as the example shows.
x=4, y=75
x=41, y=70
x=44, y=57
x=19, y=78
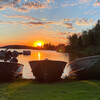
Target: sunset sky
x=28, y=21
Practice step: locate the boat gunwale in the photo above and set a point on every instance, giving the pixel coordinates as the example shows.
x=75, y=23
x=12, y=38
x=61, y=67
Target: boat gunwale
x=12, y=63
x=85, y=58
x=47, y=60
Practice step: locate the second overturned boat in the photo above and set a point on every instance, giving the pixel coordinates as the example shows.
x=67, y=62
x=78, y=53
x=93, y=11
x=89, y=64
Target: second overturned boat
x=47, y=70
x=85, y=68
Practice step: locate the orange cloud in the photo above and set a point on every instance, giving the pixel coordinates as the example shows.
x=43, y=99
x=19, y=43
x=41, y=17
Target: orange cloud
x=74, y=3
x=35, y=5
x=97, y=3
x=30, y=24
x=84, y=22
x=69, y=25
x=18, y=6
x=84, y=1
x=62, y=33
x=21, y=16
x=63, y=38
x=68, y=33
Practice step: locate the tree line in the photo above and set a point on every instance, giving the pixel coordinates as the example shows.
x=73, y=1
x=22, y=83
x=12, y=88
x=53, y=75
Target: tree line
x=88, y=43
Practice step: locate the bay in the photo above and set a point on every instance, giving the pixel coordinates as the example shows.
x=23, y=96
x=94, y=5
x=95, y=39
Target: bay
x=40, y=55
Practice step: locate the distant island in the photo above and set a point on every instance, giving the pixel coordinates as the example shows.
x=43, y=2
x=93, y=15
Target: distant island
x=18, y=47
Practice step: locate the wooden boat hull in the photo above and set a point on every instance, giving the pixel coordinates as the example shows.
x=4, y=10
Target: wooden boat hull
x=10, y=71
x=47, y=70
x=85, y=68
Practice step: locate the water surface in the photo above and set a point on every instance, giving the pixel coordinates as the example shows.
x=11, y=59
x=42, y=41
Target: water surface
x=40, y=55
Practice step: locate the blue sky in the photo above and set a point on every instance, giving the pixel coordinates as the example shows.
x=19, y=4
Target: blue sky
x=27, y=21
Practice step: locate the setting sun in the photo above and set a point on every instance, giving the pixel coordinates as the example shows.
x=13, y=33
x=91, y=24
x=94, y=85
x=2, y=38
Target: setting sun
x=38, y=44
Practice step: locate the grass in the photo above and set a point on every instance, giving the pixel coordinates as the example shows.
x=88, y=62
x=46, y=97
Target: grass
x=64, y=90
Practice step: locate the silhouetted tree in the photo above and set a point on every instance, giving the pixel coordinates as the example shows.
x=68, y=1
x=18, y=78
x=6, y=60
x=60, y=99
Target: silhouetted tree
x=48, y=46
x=88, y=41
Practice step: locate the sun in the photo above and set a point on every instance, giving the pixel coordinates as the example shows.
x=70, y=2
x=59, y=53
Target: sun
x=38, y=44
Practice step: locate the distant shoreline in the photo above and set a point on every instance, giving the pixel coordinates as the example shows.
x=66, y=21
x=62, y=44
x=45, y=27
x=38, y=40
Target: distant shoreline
x=23, y=47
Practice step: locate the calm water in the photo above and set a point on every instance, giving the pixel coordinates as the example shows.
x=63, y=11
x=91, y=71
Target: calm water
x=40, y=55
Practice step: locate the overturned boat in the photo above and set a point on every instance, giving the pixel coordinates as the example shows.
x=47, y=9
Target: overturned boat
x=47, y=70
x=4, y=55
x=27, y=52
x=85, y=68
x=10, y=71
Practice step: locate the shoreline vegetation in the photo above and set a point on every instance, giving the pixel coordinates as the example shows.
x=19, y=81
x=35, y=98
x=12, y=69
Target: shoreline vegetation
x=87, y=44
x=62, y=90
x=45, y=47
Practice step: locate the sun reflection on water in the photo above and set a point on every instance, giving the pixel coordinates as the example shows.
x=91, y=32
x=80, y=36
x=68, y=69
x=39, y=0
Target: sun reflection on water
x=39, y=55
